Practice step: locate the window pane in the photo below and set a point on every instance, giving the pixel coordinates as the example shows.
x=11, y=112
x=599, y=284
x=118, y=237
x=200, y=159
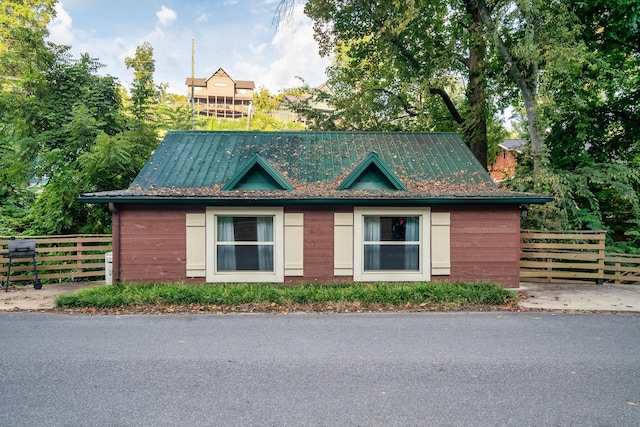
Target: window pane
x=245, y=257
x=245, y=229
x=392, y=257
x=391, y=229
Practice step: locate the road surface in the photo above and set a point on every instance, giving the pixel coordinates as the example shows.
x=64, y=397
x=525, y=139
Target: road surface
x=388, y=369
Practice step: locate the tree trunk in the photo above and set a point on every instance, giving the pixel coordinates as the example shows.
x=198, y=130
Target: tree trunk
x=476, y=123
x=518, y=76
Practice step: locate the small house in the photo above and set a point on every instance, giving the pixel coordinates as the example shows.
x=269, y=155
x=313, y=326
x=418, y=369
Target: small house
x=504, y=166
x=300, y=207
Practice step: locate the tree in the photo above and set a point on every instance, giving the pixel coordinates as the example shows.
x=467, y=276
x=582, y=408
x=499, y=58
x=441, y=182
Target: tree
x=595, y=116
x=410, y=55
x=143, y=91
x=264, y=101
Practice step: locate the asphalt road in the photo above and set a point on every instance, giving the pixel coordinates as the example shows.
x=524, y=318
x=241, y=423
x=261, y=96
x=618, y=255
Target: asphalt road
x=437, y=369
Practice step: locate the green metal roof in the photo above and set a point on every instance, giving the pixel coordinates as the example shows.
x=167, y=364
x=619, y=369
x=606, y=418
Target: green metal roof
x=190, y=159
x=196, y=166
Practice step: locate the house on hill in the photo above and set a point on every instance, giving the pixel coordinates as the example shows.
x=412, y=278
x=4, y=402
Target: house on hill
x=220, y=96
x=297, y=207
x=286, y=112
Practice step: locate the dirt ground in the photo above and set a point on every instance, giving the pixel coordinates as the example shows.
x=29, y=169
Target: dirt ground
x=25, y=297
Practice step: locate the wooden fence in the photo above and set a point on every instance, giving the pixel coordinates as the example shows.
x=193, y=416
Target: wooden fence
x=575, y=256
x=59, y=258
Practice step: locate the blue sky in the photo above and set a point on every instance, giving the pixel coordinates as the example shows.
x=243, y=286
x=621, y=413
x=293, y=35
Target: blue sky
x=237, y=35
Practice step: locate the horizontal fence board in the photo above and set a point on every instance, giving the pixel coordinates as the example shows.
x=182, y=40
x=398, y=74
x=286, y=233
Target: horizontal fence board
x=562, y=236
x=580, y=256
x=560, y=274
x=567, y=246
x=549, y=265
x=622, y=268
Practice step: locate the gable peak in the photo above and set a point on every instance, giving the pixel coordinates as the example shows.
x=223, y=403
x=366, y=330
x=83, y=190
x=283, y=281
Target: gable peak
x=372, y=173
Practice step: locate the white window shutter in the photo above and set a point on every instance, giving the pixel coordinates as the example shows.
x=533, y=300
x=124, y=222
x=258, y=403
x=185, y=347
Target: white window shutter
x=196, y=245
x=440, y=244
x=342, y=244
x=294, y=244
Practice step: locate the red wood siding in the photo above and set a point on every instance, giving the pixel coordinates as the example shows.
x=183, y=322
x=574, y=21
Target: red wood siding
x=504, y=166
x=153, y=242
x=485, y=244
x=318, y=244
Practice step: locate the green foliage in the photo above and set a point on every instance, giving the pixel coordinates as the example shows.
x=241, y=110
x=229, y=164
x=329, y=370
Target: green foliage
x=430, y=294
x=264, y=101
x=259, y=122
x=594, y=117
x=398, y=67
x=144, y=93
x=595, y=197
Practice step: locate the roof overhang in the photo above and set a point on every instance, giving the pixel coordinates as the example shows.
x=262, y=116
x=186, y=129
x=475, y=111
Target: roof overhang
x=258, y=201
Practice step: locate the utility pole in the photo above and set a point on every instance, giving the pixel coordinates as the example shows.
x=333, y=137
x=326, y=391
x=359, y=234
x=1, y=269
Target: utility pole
x=193, y=77
x=249, y=116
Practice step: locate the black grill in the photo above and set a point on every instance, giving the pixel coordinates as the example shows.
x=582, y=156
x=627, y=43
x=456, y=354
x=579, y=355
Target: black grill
x=20, y=249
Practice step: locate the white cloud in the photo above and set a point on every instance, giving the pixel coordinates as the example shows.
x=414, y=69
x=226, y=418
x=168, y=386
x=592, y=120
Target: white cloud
x=60, y=31
x=166, y=16
x=257, y=50
x=202, y=19
x=295, y=53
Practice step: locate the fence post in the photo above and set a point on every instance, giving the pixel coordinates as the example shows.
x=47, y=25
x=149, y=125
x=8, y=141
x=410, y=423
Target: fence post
x=601, y=256
x=78, y=257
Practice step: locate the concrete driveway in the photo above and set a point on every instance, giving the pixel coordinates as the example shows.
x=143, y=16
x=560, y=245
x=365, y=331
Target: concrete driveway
x=27, y=298
x=580, y=297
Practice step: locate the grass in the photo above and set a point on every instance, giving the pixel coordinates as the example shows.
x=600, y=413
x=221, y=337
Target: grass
x=429, y=295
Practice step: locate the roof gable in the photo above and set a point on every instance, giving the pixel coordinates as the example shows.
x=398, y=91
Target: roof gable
x=220, y=72
x=372, y=174
x=257, y=174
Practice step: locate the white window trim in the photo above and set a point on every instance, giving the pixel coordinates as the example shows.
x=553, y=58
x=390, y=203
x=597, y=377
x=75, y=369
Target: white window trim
x=359, y=275
x=276, y=276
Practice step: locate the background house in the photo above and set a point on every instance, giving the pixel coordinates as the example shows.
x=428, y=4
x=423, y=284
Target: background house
x=286, y=113
x=220, y=96
x=314, y=206
x=504, y=167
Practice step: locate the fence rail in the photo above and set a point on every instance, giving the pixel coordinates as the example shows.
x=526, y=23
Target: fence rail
x=576, y=256
x=69, y=257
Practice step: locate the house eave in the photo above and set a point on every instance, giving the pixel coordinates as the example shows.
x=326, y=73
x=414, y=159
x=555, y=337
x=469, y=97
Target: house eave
x=256, y=201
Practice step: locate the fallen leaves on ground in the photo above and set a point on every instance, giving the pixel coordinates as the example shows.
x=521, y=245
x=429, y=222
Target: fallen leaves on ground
x=283, y=309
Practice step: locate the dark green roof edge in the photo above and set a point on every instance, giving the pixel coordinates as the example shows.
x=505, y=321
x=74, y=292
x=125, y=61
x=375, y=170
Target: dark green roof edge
x=372, y=158
x=257, y=159
x=141, y=200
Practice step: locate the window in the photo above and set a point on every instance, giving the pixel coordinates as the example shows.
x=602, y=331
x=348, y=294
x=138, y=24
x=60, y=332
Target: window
x=389, y=244
x=246, y=245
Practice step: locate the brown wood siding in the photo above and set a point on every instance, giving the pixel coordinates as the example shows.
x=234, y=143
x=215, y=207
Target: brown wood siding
x=485, y=244
x=318, y=244
x=153, y=242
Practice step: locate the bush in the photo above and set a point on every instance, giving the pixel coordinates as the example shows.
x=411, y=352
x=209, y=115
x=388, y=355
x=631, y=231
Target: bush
x=426, y=294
